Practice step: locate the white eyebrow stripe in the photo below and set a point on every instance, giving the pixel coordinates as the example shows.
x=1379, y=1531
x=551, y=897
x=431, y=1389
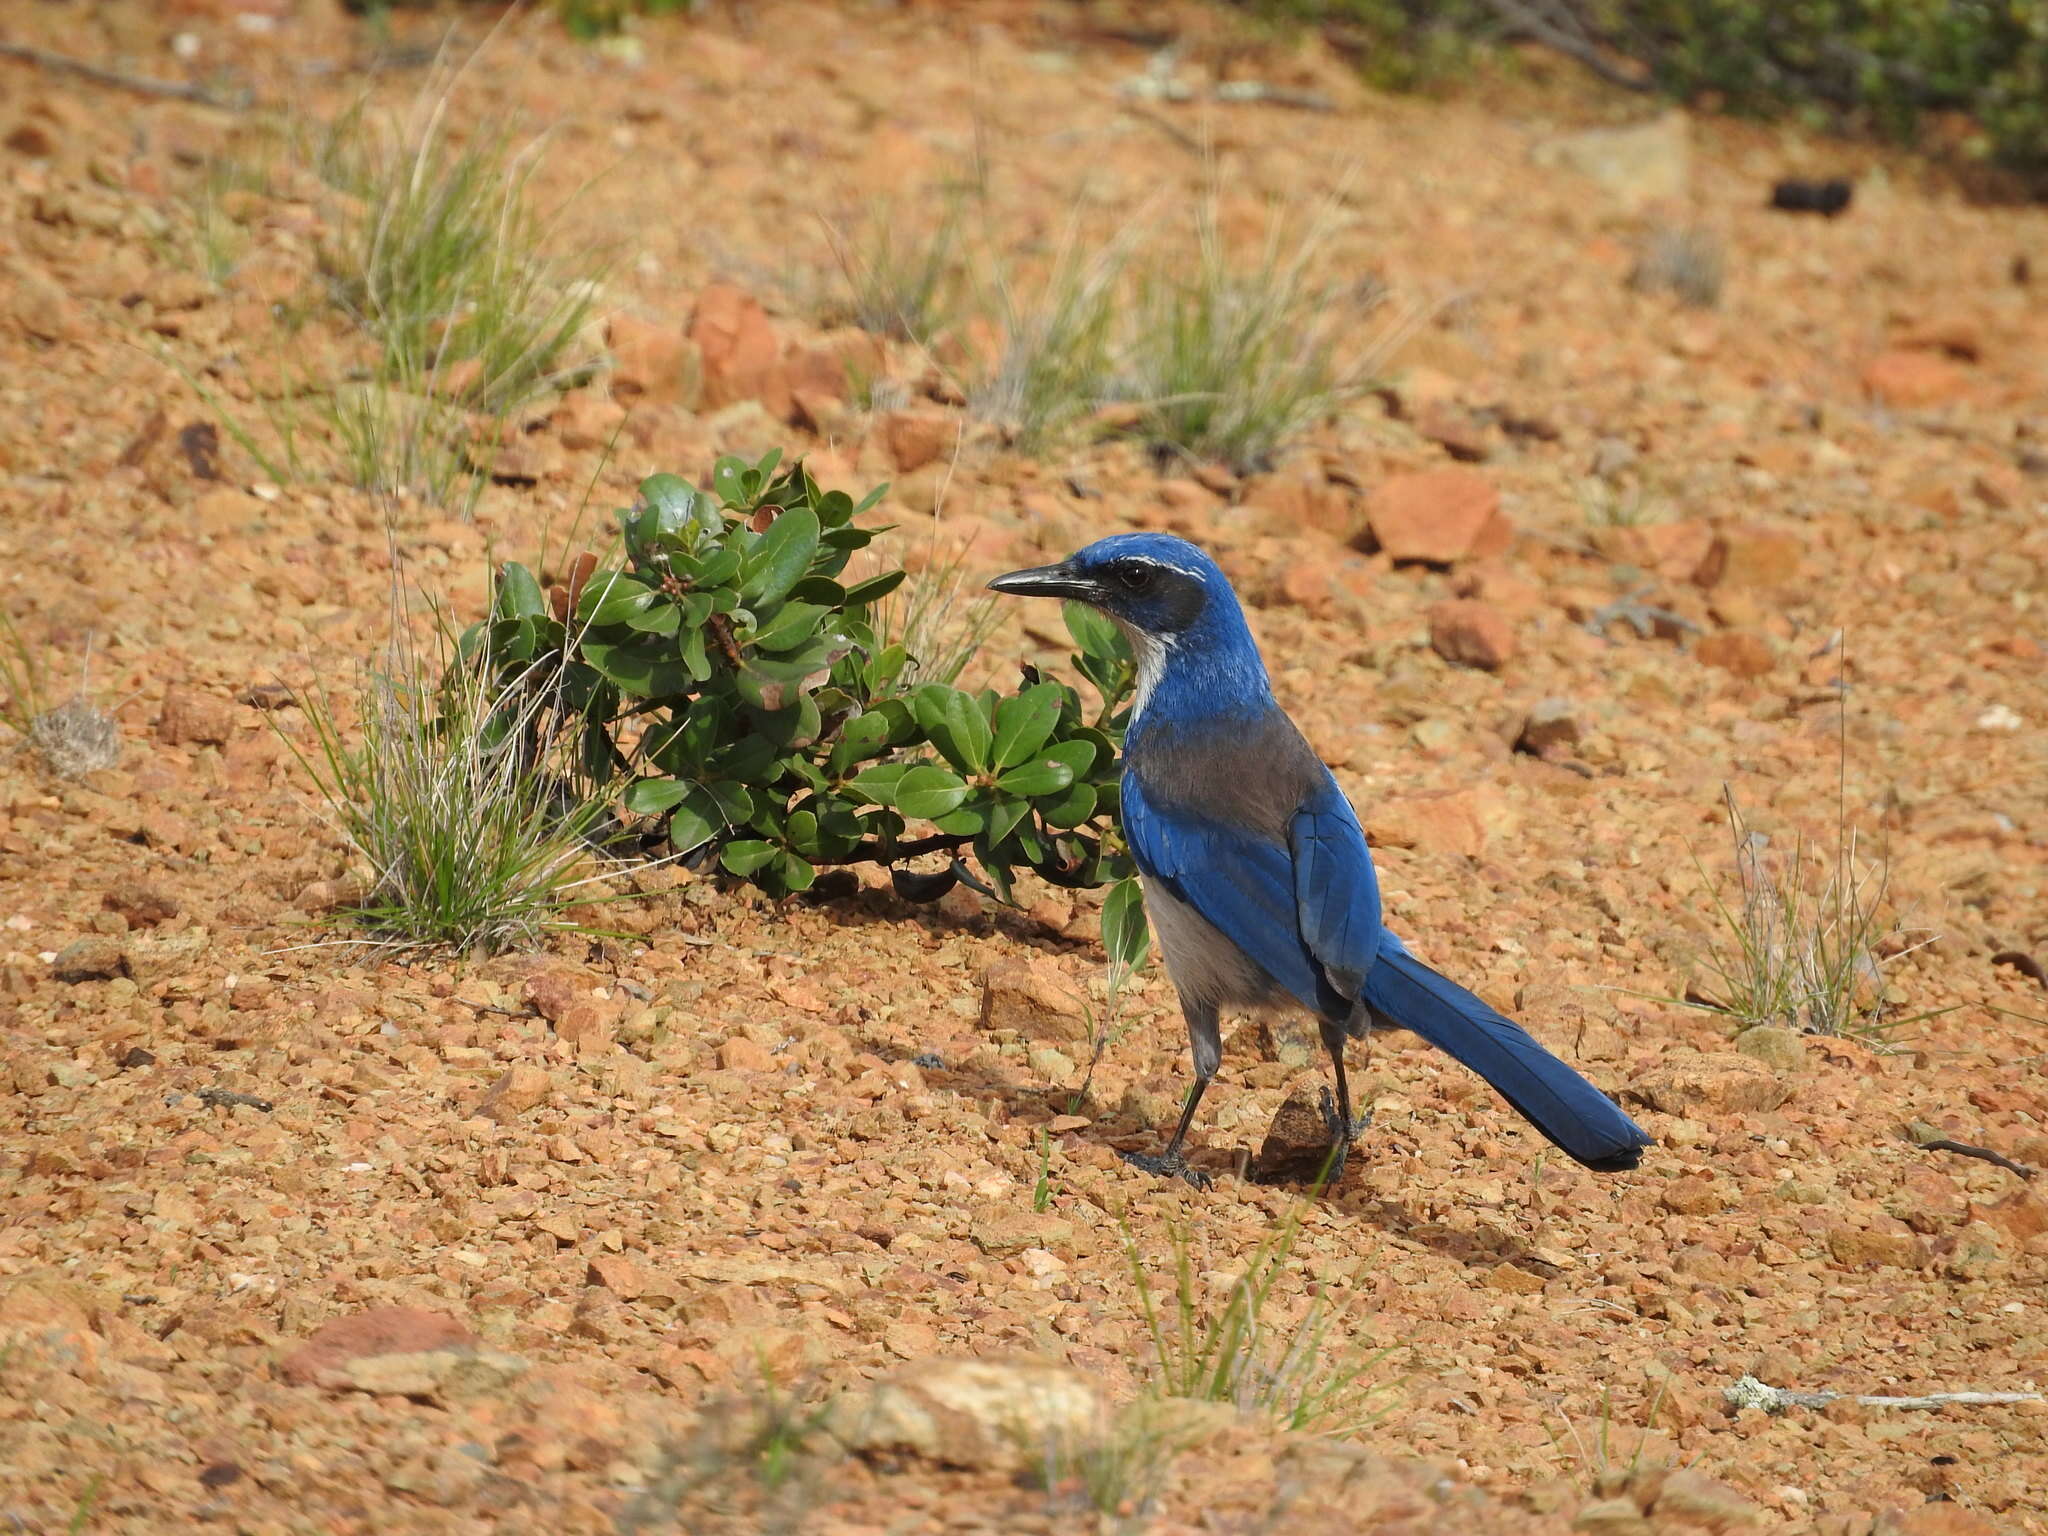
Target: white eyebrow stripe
x=1166, y=565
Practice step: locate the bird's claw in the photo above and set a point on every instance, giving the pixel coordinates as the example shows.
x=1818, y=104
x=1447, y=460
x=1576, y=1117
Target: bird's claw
x=1340, y=1133
x=1175, y=1167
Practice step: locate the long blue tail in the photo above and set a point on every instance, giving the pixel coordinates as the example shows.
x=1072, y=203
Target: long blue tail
x=1548, y=1094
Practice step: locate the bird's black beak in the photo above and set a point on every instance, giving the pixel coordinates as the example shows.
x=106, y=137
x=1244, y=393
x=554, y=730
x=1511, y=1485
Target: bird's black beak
x=1060, y=580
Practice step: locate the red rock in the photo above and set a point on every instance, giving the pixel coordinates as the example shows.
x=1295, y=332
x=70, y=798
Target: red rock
x=1721, y=1083
x=587, y=422
x=617, y=1274
x=142, y=904
x=740, y=352
x=1551, y=728
x=1750, y=557
x=1034, y=997
x=518, y=1089
x=1944, y=1517
x=918, y=438
x=1886, y=1241
x=1740, y=652
x=553, y=993
x=379, y=1331
x=1470, y=633
x=1439, y=516
x=1442, y=821
x=2021, y=1215
x=739, y=1054
x=1304, y=584
x=1291, y=503
x=191, y=716
x=653, y=359
x=1913, y=380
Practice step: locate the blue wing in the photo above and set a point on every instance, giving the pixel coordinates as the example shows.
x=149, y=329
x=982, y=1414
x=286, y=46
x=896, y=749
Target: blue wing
x=1306, y=912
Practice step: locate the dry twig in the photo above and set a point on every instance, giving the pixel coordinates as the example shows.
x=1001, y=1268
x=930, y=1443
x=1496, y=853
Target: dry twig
x=141, y=85
x=1751, y=1393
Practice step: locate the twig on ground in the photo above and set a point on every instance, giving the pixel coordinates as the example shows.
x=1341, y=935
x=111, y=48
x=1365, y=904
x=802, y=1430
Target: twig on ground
x=1943, y=1144
x=1751, y=1393
x=141, y=85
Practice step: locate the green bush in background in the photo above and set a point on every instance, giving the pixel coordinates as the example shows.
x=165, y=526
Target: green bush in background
x=744, y=692
x=1881, y=64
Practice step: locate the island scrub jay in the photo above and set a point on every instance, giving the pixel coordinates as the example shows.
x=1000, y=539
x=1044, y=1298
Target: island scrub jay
x=1256, y=874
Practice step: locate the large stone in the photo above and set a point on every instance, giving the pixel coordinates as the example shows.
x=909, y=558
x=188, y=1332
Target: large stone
x=651, y=359
x=95, y=958
x=322, y=1359
x=741, y=355
x=1456, y=821
x=918, y=438
x=437, y=1375
x=1297, y=1145
x=1035, y=998
x=1913, y=380
x=1469, y=633
x=1748, y=557
x=1711, y=1084
x=1640, y=164
x=1438, y=516
x=1739, y=652
x=994, y=1415
x=191, y=716
x=1884, y=1240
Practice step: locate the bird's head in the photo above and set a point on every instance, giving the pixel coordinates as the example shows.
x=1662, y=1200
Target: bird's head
x=1153, y=584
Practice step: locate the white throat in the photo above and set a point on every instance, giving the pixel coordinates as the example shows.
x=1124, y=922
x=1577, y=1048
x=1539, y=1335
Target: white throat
x=1150, y=652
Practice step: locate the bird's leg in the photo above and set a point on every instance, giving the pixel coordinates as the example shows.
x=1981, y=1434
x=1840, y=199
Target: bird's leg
x=1170, y=1164
x=1343, y=1129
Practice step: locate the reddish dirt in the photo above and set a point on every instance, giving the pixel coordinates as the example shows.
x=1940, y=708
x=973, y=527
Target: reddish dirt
x=625, y=1177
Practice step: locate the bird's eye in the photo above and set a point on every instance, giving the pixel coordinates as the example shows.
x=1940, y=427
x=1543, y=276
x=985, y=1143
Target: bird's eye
x=1133, y=576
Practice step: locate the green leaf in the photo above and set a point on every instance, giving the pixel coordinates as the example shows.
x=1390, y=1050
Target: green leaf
x=1093, y=630
x=789, y=626
x=1077, y=754
x=519, y=595
x=614, y=598
x=878, y=784
x=647, y=673
x=956, y=725
x=928, y=792
x=1071, y=808
x=678, y=506
x=747, y=855
x=965, y=822
x=728, y=479
x=1040, y=776
x=862, y=736
x=780, y=557
x=1023, y=721
x=802, y=832
x=718, y=567
x=1124, y=931
x=819, y=589
x=797, y=874
x=875, y=588
x=650, y=797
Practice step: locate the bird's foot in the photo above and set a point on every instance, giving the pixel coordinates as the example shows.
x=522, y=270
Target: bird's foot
x=1174, y=1167
x=1339, y=1131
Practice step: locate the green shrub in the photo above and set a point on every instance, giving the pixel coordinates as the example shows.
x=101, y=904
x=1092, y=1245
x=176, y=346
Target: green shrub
x=735, y=677
x=1882, y=64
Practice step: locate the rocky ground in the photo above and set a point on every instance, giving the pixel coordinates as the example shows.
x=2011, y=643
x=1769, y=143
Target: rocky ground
x=296, y=1237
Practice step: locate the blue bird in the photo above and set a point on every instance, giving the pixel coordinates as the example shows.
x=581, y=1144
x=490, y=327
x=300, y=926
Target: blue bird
x=1257, y=878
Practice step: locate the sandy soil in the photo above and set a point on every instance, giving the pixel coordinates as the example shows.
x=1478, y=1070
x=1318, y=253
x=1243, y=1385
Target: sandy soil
x=613, y=1183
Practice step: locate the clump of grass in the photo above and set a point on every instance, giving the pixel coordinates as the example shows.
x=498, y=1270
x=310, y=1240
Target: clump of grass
x=1596, y=1465
x=1232, y=359
x=755, y=1455
x=71, y=739
x=903, y=279
x=1119, y=1471
x=1057, y=350
x=458, y=311
x=1606, y=504
x=1689, y=262
x=939, y=616
x=472, y=843
x=1303, y=1375
x=1808, y=936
